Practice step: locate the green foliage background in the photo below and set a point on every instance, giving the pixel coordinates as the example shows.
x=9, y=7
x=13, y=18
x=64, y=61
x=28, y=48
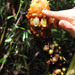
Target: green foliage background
x=18, y=52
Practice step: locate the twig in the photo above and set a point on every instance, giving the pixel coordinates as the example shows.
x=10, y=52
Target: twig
x=36, y=54
x=18, y=20
x=71, y=69
x=19, y=10
x=13, y=9
x=25, y=63
x=6, y=56
x=8, y=5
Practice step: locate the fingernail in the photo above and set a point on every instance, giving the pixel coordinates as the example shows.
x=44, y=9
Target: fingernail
x=61, y=23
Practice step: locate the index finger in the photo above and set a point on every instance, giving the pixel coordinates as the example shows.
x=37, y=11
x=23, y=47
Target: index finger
x=60, y=15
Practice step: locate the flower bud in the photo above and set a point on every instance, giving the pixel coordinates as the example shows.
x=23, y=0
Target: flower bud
x=36, y=21
x=63, y=69
x=61, y=58
x=56, y=45
x=54, y=42
x=59, y=47
x=62, y=73
x=50, y=51
x=46, y=48
x=57, y=71
x=54, y=60
x=57, y=55
x=43, y=22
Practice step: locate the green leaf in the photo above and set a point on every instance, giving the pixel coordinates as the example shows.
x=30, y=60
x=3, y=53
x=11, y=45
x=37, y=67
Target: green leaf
x=23, y=37
x=25, y=57
x=17, y=26
x=26, y=34
x=10, y=17
x=1, y=60
x=8, y=40
x=50, y=74
x=22, y=1
x=71, y=69
x=22, y=28
x=52, y=6
x=26, y=68
x=54, y=30
x=28, y=43
x=65, y=39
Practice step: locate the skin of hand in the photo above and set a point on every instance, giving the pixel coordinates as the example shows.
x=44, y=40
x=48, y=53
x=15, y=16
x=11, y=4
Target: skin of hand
x=64, y=18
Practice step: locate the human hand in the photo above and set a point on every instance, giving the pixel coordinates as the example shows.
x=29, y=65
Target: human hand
x=66, y=19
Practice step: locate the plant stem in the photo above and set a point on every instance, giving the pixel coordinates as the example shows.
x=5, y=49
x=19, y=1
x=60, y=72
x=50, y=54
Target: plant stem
x=71, y=69
x=6, y=56
x=19, y=10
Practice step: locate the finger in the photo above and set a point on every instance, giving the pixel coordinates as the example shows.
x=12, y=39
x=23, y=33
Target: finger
x=66, y=25
x=60, y=15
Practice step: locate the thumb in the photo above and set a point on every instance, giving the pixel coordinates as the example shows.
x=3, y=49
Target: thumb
x=67, y=26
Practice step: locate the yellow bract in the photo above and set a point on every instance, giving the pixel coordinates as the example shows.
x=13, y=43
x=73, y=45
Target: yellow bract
x=43, y=22
x=36, y=21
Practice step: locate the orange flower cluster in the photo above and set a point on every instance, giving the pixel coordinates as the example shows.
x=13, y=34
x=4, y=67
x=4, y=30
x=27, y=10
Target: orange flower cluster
x=39, y=24
x=36, y=8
